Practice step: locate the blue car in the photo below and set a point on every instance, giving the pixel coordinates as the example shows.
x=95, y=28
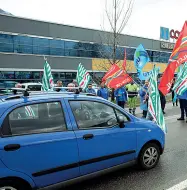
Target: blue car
x=48, y=140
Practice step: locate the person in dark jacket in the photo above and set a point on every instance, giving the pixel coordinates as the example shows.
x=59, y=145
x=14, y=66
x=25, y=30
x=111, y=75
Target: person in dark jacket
x=183, y=106
x=121, y=96
x=112, y=95
x=162, y=101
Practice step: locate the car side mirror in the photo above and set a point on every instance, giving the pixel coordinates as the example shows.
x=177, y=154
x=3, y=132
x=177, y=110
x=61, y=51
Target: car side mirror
x=121, y=121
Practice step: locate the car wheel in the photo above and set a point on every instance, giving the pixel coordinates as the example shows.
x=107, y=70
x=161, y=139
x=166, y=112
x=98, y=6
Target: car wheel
x=11, y=185
x=149, y=156
x=7, y=188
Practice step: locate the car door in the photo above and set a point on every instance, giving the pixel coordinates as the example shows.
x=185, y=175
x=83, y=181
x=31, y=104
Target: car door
x=102, y=143
x=38, y=140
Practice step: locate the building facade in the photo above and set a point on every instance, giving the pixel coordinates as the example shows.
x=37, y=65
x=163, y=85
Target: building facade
x=25, y=42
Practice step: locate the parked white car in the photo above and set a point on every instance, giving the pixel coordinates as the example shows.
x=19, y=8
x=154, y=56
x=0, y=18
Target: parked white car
x=30, y=86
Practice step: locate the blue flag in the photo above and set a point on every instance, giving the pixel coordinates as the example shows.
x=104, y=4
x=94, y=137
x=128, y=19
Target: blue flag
x=144, y=75
x=141, y=58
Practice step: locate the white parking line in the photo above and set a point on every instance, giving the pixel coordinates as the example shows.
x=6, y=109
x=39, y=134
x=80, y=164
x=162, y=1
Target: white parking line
x=179, y=186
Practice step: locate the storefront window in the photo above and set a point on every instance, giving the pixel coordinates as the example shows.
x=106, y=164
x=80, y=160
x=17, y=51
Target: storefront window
x=62, y=76
x=6, y=74
x=44, y=46
x=55, y=75
x=23, y=75
x=36, y=75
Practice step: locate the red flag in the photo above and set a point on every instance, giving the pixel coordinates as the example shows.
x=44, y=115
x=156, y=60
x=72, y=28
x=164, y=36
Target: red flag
x=125, y=61
x=119, y=80
x=178, y=56
x=113, y=69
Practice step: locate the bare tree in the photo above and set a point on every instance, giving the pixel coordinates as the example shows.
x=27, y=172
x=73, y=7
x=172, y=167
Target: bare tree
x=117, y=14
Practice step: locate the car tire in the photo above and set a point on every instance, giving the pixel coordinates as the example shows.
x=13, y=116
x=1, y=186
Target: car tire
x=11, y=185
x=149, y=156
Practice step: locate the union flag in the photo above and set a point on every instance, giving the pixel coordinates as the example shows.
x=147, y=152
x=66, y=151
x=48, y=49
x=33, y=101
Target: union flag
x=178, y=56
x=116, y=78
x=112, y=71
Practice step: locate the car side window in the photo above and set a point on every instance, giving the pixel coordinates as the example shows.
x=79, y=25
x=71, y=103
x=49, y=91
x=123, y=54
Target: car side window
x=34, y=87
x=118, y=113
x=89, y=114
x=37, y=118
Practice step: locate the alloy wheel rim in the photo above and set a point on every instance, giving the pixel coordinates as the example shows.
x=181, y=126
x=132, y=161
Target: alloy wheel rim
x=7, y=188
x=150, y=156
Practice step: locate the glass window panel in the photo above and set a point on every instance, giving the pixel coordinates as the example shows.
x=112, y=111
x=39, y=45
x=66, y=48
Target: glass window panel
x=6, y=38
x=62, y=75
x=23, y=40
x=150, y=53
x=36, y=75
x=69, y=76
x=120, y=53
x=74, y=75
x=6, y=43
x=71, y=52
x=70, y=45
x=164, y=57
x=55, y=75
x=83, y=53
x=56, y=51
x=23, y=75
x=119, y=114
x=41, y=41
x=96, y=54
x=6, y=47
x=90, y=114
x=41, y=46
x=37, y=118
x=6, y=74
x=9, y=84
x=41, y=50
x=34, y=87
x=23, y=44
x=83, y=46
x=57, y=43
x=130, y=53
x=156, y=56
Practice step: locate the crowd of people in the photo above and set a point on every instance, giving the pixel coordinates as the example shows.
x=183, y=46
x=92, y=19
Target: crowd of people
x=128, y=95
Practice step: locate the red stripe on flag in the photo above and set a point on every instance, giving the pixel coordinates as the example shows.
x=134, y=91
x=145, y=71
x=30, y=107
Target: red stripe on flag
x=84, y=79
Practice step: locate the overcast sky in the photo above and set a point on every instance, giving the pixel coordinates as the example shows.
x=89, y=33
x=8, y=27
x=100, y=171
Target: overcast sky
x=145, y=21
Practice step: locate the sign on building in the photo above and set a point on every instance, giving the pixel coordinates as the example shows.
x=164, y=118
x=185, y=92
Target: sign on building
x=167, y=34
x=166, y=45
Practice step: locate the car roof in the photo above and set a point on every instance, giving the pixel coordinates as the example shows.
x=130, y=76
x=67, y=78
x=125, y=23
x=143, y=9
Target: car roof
x=8, y=101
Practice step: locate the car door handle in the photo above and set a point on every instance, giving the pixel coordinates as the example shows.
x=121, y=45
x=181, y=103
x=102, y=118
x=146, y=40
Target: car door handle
x=88, y=136
x=12, y=147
